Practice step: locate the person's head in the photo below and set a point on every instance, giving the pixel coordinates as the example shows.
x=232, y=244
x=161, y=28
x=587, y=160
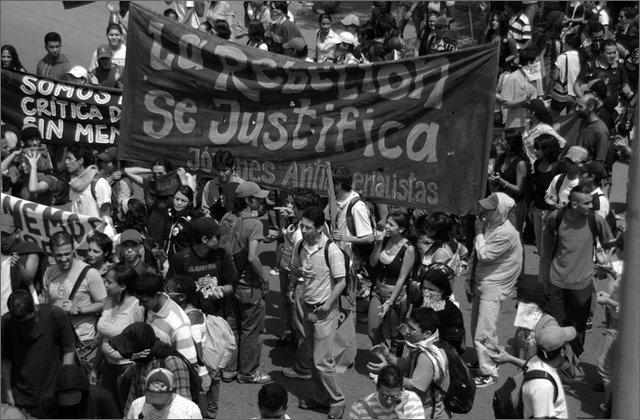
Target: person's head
x=159, y=388
x=385, y=24
x=182, y=198
x=499, y=23
x=512, y=142
x=296, y=47
x=182, y=290
x=551, y=340
x=100, y=248
x=351, y=23
x=347, y=43
x=135, y=338
x=131, y=247
x=572, y=40
x=161, y=167
x=62, y=249
x=72, y=391
x=273, y=401
x=11, y=138
x=342, y=177
x=435, y=281
x=53, y=44
x=206, y=231
x=148, y=290
x=397, y=224
x=528, y=56
x=304, y=198
x=107, y=160
x=422, y=323
x=570, y=161
x=206, y=27
x=133, y=214
x=250, y=195
x=312, y=223
x=221, y=29
x=104, y=56
x=441, y=25
x=324, y=22
x=439, y=227
x=547, y=147
x=78, y=158
x=587, y=105
x=279, y=10
x=536, y=109
x=389, y=386
x=120, y=279
x=431, y=20
x=21, y=305
x=223, y=164
x=592, y=173
x=255, y=31
x=554, y=22
x=114, y=35
x=580, y=200
x=171, y=14
x=31, y=136
x=596, y=34
x=77, y=74
x=10, y=232
x=10, y=58
x=608, y=51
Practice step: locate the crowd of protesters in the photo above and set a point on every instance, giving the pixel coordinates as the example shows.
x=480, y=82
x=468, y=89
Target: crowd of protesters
x=121, y=331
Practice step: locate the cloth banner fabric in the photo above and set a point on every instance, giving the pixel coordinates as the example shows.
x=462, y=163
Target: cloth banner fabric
x=414, y=132
x=38, y=222
x=65, y=112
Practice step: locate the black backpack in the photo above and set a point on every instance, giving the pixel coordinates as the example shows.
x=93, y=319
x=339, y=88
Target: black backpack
x=459, y=396
x=507, y=400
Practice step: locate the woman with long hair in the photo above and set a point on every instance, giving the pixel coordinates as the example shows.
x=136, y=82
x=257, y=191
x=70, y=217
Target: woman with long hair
x=539, y=121
x=256, y=34
x=393, y=257
x=547, y=150
x=425, y=33
x=326, y=40
x=121, y=309
x=100, y=252
x=498, y=31
x=132, y=215
x=180, y=215
x=10, y=59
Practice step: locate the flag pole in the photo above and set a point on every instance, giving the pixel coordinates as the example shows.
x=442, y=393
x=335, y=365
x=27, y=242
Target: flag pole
x=626, y=404
x=333, y=207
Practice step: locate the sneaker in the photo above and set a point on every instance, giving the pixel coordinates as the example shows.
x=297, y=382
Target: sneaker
x=308, y=404
x=290, y=372
x=228, y=378
x=336, y=412
x=274, y=271
x=473, y=365
x=484, y=381
x=258, y=379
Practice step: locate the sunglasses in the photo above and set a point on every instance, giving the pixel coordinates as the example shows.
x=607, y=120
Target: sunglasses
x=396, y=398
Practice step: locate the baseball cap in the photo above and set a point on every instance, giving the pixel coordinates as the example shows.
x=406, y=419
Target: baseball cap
x=79, y=72
x=7, y=225
x=159, y=386
x=108, y=155
x=552, y=337
x=577, y=154
x=347, y=38
x=104, y=51
x=537, y=106
x=251, y=189
x=205, y=226
x=131, y=235
x=295, y=44
x=593, y=167
x=442, y=21
x=489, y=203
x=11, y=134
x=30, y=132
x=350, y=19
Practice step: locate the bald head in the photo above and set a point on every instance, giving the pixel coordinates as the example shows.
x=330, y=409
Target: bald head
x=587, y=105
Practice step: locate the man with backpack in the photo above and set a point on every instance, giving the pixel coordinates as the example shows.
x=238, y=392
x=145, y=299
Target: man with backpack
x=242, y=234
x=322, y=282
x=567, y=266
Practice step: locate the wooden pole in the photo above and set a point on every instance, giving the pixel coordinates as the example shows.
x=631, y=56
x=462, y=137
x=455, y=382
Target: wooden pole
x=333, y=207
x=626, y=404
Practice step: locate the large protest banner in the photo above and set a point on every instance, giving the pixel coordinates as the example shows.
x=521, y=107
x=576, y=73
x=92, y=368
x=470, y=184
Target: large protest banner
x=65, y=112
x=38, y=222
x=415, y=132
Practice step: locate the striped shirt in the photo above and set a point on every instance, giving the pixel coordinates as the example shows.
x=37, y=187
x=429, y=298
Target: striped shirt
x=172, y=326
x=412, y=409
x=521, y=31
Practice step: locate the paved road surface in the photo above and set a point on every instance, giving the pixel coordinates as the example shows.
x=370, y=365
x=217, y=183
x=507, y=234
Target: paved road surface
x=24, y=23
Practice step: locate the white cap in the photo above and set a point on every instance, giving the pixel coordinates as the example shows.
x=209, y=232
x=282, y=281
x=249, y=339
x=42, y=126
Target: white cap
x=347, y=38
x=79, y=72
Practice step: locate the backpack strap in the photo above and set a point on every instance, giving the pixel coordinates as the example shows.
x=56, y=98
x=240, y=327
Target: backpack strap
x=541, y=374
x=350, y=225
x=81, y=277
x=367, y=407
x=558, y=185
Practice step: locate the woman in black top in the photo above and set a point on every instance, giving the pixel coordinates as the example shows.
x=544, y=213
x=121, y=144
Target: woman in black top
x=547, y=149
x=393, y=255
x=177, y=227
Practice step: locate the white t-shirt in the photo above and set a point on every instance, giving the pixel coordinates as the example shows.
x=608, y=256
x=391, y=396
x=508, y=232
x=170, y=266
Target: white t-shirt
x=537, y=394
x=563, y=197
x=568, y=65
x=179, y=408
x=361, y=222
x=84, y=202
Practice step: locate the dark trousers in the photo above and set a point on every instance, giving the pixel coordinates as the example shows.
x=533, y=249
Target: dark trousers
x=111, y=377
x=247, y=322
x=571, y=308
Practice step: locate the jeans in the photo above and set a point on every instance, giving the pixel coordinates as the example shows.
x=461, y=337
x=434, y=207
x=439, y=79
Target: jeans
x=303, y=359
x=286, y=308
x=571, y=308
x=319, y=341
x=539, y=217
x=247, y=322
x=484, y=319
x=213, y=394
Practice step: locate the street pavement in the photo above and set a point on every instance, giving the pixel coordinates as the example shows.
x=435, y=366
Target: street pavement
x=23, y=25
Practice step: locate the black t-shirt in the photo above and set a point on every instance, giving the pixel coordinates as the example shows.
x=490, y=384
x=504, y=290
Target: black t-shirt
x=101, y=405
